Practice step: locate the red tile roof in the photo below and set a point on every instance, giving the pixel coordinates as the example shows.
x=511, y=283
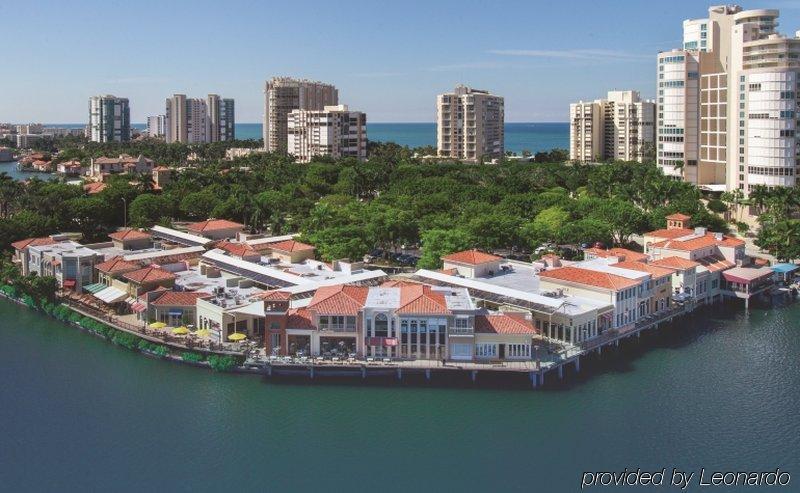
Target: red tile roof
x=149, y=274
x=299, y=318
x=471, y=257
x=117, y=264
x=678, y=217
x=589, y=277
x=504, y=323
x=179, y=298
x=290, y=246
x=339, y=300
x=213, y=225
x=675, y=263
x=716, y=263
x=396, y=283
x=274, y=295
x=655, y=271
x=621, y=253
x=129, y=234
x=670, y=233
x=237, y=249
x=22, y=244
x=708, y=240
x=95, y=187
x=421, y=299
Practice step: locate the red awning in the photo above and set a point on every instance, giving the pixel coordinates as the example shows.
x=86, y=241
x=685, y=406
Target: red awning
x=68, y=283
x=138, y=307
x=390, y=341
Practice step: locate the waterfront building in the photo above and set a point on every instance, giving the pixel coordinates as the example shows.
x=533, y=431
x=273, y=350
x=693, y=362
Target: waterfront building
x=620, y=127
x=21, y=248
x=282, y=95
x=157, y=126
x=334, y=131
x=470, y=125
x=195, y=120
x=71, y=263
x=727, y=102
x=174, y=308
x=147, y=279
x=109, y=119
x=73, y=167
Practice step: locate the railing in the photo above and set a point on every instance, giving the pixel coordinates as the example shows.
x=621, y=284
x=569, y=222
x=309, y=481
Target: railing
x=462, y=331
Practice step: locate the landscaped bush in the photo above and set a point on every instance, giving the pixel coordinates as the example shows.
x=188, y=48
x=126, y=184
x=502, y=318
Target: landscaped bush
x=742, y=227
x=124, y=339
x=160, y=350
x=10, y=291
x=716, y=205
x=192, y=357
x=221, y=363
x=29, y=302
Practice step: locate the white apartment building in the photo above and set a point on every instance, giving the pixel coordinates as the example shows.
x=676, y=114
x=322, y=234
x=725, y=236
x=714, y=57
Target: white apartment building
x=731, y=101
x=109, y=119
x=622, y=127
x=195, y=120
x=335, y=131
x=470, y=125
x=157, y=126
x=282, y=95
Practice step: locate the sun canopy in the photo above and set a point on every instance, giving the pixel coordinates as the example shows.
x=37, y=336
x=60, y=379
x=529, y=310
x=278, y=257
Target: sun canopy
x=94, y=288
x=111, y=295
x=237, y=336
x=781, y=268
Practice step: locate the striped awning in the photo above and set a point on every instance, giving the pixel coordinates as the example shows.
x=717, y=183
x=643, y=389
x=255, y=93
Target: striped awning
x=110, y=295
x=94, y=288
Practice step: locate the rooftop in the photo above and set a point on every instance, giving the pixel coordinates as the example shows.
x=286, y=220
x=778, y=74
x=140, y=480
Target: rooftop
x=44, y=240
x=589, y=277
x=290, y=246
x=623, y=254
x=504, y=323
x=117, y=264
x=213, y=225
x=179, y=298
x=471, y=257
x=129, y=234
x=149, y=274
x=675, y=263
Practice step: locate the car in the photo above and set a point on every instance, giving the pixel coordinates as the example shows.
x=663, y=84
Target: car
x=599, y=244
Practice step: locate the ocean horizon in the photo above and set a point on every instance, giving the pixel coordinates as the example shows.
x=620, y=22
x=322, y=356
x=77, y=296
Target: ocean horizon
x=519, y=136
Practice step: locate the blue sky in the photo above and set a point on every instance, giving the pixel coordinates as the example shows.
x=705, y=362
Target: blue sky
x=389, y=59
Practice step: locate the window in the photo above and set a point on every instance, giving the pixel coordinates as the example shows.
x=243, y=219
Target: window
x=518, y=350
x=486, y=350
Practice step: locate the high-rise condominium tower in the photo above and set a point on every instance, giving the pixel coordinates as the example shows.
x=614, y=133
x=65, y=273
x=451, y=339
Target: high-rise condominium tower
x=221, y=118
x=282, y=95
x=727, y=102
x=195, y=120
x=620, y=127
x=109, y=119
x=156, y=125
x=334, y=131
x=469, y=124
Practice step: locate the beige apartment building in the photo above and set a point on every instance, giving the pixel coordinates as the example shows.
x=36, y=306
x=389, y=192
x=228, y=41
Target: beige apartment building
x=195, y=120
x=727, y=102
x=335, y=131
x=282, y=95
x=469, y=125
x=621, y=127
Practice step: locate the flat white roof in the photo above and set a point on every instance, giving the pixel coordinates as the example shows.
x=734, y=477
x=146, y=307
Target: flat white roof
x=570, y=304
x=257, y=270
x=311, y=285
x=162, y=253
x=271, y=239
x=170, y=233
x=599, y=265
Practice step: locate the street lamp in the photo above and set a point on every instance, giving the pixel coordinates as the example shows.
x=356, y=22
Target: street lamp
x=125, y=211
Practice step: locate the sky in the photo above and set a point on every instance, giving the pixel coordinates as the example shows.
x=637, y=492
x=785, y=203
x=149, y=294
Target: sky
x=387, y=58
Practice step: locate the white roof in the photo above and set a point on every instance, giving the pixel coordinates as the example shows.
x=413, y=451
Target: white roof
x=154, y=254
x=256, y=309
x=600, y=265
x=270, y=239
x=180, y=235
x=310, y=285
x=379, y=297
x=257, y=269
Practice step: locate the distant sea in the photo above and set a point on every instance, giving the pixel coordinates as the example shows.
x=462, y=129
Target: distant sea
x=519, y=136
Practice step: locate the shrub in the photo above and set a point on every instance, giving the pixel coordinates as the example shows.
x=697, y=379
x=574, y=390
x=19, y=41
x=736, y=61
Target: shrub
x=124, y=339
x=192, y=357
x=10, y=291
x=160, y=350
x=221, y=363
x=742, y=227
x=28, y=301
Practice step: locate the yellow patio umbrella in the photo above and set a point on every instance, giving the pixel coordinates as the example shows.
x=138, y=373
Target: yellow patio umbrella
x=202, y=333
x=179, y=331
x=237, y=336
x=157, y=325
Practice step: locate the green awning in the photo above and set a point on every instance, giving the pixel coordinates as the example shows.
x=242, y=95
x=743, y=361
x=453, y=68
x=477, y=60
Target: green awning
x=94, y=288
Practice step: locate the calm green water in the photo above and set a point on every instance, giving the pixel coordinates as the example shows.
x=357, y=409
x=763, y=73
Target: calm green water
x=78, y=414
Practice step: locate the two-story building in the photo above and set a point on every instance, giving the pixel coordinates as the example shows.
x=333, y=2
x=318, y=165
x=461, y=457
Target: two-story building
x=215, y=229
x=71, y=263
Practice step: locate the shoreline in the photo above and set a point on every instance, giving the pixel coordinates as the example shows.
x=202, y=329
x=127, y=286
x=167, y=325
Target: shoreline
x=446, y=377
